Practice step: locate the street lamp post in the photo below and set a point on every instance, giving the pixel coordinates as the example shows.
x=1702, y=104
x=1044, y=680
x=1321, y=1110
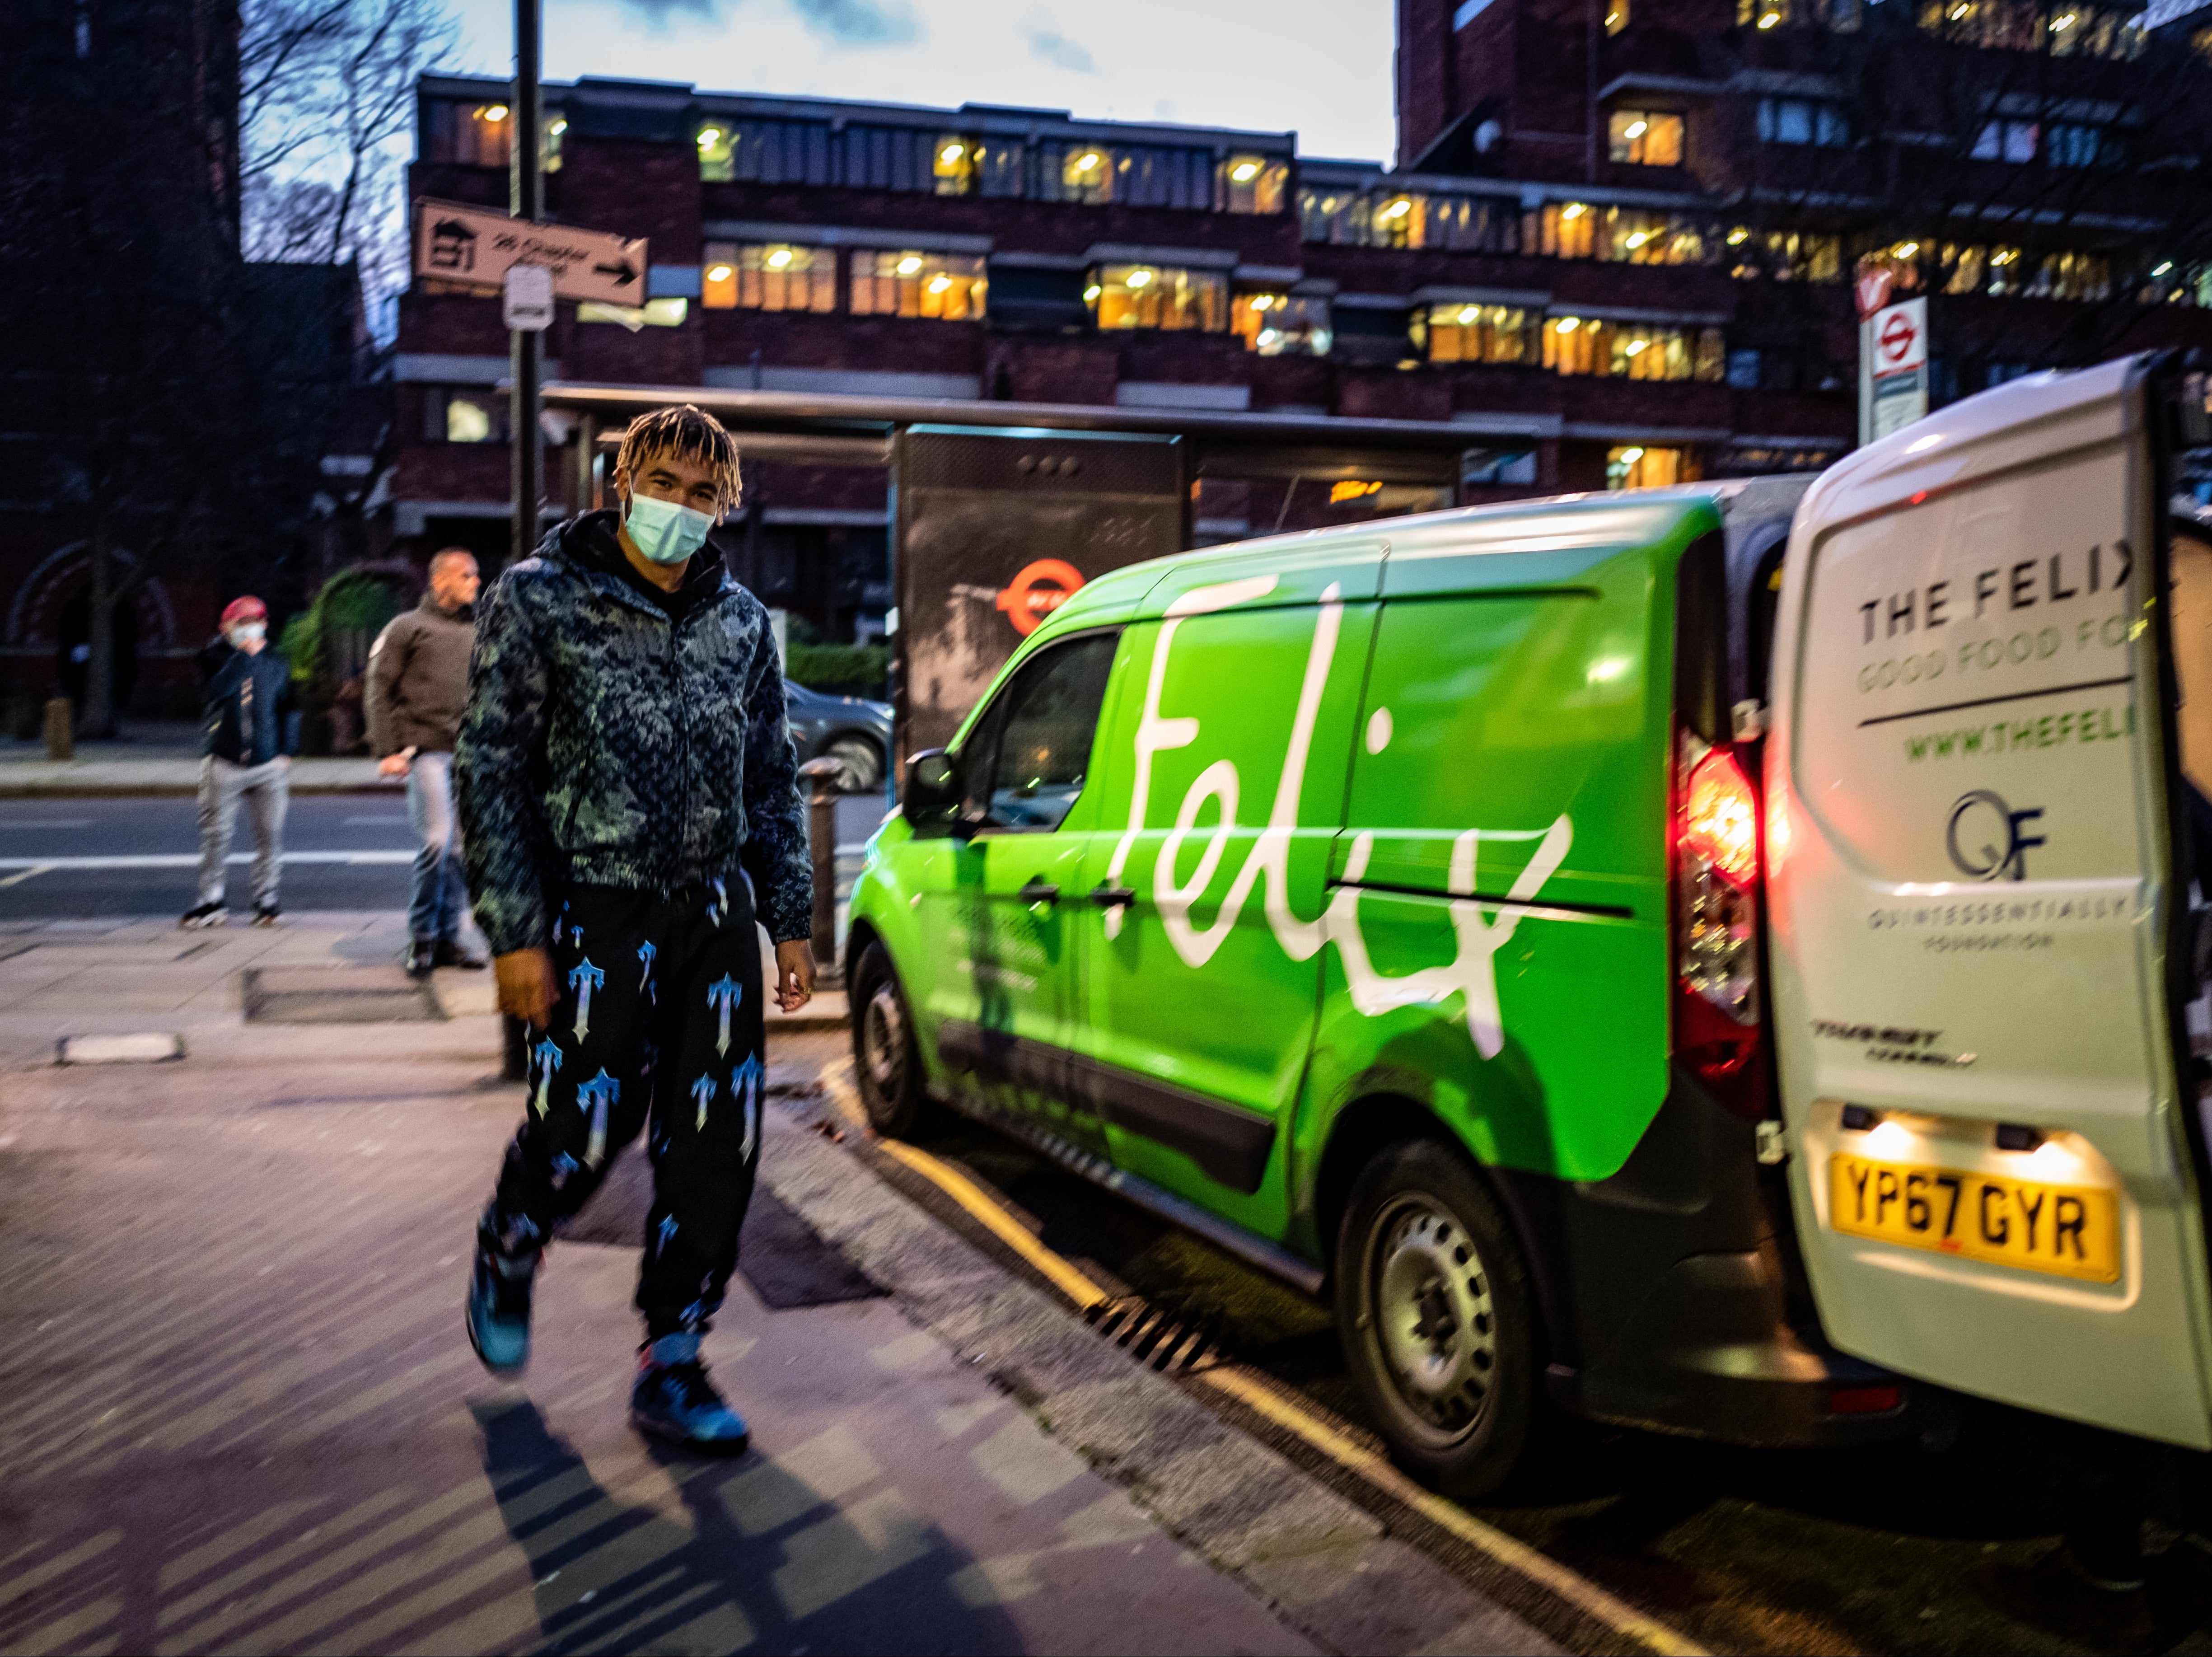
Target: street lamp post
x=526, y=200
x=525, y=348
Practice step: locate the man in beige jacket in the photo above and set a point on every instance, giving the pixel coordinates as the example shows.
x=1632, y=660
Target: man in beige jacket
x=418, y=683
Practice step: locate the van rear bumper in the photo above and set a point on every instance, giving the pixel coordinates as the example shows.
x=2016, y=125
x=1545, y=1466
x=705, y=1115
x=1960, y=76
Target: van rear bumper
x=1704, y=1356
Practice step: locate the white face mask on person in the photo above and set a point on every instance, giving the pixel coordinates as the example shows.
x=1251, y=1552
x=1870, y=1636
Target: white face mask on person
x=246, y=632
x=664, y=532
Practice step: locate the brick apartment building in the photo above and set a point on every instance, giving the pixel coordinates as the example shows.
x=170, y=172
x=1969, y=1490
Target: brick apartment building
x=1617, y=249
x=170, y=405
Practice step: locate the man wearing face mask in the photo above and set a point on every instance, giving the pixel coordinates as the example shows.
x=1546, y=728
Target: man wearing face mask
x=249, y=731
x=624, y=766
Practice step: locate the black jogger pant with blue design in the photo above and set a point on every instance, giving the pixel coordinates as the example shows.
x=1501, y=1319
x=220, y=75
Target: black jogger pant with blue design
x=658, y=1026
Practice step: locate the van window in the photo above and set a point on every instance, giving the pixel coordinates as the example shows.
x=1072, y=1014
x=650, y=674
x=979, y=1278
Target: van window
x=2190, y=623
x=1029, y=754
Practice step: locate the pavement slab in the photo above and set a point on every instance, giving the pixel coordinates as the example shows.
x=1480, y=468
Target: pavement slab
x=243, y=1416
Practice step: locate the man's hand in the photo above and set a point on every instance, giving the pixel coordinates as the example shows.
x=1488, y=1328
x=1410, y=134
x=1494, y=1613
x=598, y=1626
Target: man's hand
x=526, y=986
x=794, y=973
x=393, y=765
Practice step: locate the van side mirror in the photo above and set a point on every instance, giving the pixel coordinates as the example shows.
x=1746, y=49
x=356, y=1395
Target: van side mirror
x=934, y=794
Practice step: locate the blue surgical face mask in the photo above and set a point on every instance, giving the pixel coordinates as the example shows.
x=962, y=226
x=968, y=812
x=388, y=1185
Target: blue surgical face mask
x=663, y=531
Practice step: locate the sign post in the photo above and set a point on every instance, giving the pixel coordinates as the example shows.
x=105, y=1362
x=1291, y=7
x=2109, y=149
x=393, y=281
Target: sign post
x=526, y=346
x=1897, y=362
x=476, y=247
x=1893, y=357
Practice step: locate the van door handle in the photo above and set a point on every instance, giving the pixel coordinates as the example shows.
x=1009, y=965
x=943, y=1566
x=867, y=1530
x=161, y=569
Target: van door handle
x=1039, y=891
x=1112, y=897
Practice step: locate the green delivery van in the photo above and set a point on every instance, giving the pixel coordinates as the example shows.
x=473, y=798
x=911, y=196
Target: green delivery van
x=1397, y=908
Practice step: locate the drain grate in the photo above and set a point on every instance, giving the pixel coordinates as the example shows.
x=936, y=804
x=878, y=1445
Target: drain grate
x=1174, y=1340
x=337, y=995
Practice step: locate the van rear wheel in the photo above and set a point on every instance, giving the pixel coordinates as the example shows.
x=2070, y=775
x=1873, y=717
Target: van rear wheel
x=885, y=1056
x=1433, y=1308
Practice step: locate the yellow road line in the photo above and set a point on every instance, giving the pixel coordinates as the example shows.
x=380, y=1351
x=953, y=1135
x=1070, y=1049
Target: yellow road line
x=1577, y=1590
x=1002, y=1225
x=1571, y=1586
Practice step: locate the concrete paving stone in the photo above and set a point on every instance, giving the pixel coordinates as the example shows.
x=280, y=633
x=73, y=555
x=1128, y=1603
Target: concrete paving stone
x=1185, y=1465
x=293, y=1354
x=293, y=1449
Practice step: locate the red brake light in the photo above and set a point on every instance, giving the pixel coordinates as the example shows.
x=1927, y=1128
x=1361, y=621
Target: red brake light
x=1720, y=818
x=1718, y=1032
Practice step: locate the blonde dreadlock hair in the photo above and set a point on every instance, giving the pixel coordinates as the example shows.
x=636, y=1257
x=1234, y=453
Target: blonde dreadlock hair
x=688, y=433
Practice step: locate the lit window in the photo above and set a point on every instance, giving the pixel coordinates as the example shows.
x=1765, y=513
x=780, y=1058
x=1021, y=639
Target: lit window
x=1637, y=466
x=1398, y=220
x=1646, y=138
x=548, y=146
x=1563, y=230
x=464, y=416
x=718, y=162
x=1762, y=14
x=768, y=276
x=1281, y=324
x=1623, y=350
x=654, y=313
x=937, y=287
x=1252, y=184
x=2065, y=31
x=952, y=166
x=1785, y=255
x=1477, y=333
x=1158, y=296
x=483, y=134
x=1635, y=237
x=1086, y=175
x=1616, y=17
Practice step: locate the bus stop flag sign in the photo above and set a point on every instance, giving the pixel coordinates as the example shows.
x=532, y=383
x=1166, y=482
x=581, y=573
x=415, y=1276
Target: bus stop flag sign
x=476, y=246
x=1895, y=352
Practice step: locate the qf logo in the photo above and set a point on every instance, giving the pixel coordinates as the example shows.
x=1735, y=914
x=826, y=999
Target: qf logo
x=1988, y=840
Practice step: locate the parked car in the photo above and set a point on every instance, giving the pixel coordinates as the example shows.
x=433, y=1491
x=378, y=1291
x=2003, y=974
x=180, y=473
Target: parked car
x=850, y=729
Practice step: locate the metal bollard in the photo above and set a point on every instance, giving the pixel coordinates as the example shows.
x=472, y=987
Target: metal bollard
x=61, y=738
x=515, y=1049
x=822, y=776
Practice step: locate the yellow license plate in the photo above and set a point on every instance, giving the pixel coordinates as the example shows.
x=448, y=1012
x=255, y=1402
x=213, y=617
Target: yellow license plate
x=2069, y=1231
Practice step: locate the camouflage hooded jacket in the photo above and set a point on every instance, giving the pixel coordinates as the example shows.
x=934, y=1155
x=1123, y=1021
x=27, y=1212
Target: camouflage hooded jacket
x=617, y=736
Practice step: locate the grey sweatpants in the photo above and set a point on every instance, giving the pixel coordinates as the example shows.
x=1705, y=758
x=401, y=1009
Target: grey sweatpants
x=267, y=790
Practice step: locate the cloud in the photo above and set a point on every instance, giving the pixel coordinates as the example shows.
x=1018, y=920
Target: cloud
x=843, y=22
x=1050, y=46
x=861, y=22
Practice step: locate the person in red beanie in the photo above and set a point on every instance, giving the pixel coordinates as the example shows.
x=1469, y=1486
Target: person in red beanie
x=249, y=731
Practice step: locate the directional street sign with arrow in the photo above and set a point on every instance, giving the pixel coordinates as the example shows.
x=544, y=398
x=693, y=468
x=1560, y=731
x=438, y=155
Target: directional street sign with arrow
x=476, y=245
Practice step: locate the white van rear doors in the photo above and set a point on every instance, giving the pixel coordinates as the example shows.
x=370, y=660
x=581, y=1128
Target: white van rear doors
x=1970, y=907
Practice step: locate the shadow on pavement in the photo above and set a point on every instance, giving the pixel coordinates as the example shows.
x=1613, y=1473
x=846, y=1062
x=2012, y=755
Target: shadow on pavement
x=764, y=1562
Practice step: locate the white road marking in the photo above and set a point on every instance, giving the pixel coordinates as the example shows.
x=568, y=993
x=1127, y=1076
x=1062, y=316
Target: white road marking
x=22, y=875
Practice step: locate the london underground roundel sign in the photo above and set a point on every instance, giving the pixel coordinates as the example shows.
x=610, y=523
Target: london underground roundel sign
x=1897, y=338
x=1039, y=589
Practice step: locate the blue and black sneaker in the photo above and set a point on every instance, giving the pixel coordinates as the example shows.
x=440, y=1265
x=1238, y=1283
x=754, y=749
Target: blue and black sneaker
x=499, y=1307
x=674, y=1399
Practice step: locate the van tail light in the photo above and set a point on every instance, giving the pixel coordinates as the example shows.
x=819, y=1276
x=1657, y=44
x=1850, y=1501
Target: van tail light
x=1718, y=1027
